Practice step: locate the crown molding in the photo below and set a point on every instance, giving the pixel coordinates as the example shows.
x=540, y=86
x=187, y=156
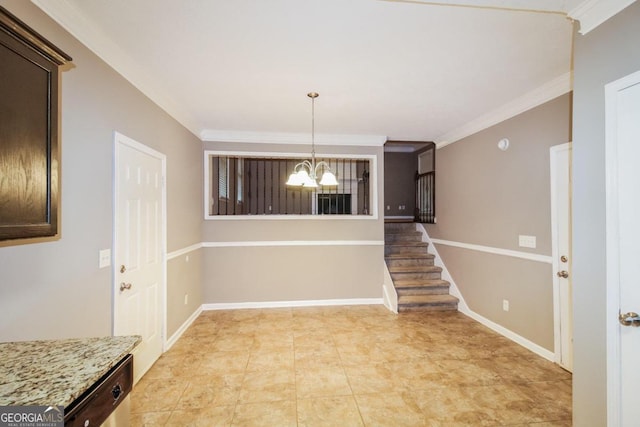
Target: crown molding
x=291, y=138
x=592, y=13
x=82, y=29
x=547, y=92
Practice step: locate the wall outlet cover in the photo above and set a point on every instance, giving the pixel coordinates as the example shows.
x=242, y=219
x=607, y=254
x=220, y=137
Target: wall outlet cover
x=527, y=241
x=104, y=258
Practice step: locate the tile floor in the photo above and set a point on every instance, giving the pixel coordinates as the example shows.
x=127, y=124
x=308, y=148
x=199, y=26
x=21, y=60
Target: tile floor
x=348, y=366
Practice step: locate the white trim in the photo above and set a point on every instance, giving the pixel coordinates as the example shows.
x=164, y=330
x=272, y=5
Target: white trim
x=271, y=243
x=389, y=294
x=613, y=341
x=538, y=6
x=550, y=90
x=529, y=345
x=555, y=254
x=310, y=217
x=65, y=14
x=182, y=329
x=496, y=251
x=302, y=303
x=183, y=251
x=592, y=13
x=453, y=288
x=464, y=308
x=120, y=139
x=305, y=152
x=291, y=138
x=373, y=159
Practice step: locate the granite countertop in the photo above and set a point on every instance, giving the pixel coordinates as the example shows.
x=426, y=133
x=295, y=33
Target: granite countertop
x=57, y=372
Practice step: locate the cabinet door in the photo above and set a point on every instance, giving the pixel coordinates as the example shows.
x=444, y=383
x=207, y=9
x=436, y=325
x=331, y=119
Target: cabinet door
x=29, y=154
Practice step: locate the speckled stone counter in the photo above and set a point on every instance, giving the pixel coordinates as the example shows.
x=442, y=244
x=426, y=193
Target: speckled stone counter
x=57, y=372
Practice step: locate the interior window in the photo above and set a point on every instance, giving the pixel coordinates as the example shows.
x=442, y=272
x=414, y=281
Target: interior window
x=260, y=186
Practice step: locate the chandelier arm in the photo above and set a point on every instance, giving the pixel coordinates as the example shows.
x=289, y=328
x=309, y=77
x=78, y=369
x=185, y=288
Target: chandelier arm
x=323, y=164
x=305, y=163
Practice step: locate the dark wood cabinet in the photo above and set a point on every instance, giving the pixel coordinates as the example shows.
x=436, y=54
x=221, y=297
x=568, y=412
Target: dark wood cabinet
x=29, y=131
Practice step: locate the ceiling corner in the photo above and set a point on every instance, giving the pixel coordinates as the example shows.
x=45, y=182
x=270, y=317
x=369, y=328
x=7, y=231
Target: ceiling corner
x=592, y=13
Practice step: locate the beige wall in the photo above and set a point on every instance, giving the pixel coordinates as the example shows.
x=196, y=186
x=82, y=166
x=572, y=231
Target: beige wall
x=488, y=197
x=55, y=290
x=185, y=278
x=605, y=54
x=293, y=273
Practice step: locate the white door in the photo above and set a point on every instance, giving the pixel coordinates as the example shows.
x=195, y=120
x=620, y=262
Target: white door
x=623, y=247
x=561, y=243
x=139, y=276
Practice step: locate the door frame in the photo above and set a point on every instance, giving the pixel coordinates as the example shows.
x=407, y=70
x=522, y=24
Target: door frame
x=122, y=140
x=613, y=340
x=555, y=251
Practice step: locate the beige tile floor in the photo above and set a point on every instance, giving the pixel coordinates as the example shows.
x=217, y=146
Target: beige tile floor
x=348, y=366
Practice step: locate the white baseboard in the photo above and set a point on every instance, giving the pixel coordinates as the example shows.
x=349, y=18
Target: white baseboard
x=507, y=333
x=389, y=291
x=453, y=289
x=304, y=303
x=464, y=308
x=176, y=336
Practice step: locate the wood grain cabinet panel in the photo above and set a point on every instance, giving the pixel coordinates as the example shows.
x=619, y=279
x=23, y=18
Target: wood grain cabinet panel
x=29, y=131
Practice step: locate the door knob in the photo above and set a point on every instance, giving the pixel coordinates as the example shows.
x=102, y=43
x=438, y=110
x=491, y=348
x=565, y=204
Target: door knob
x=564, y=274
x=123, y=268
x=629, y=319
x=564, y=258
x=124, y=286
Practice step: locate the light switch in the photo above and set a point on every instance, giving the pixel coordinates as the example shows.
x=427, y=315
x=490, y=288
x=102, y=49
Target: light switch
x=527, y=241
x=105, y=258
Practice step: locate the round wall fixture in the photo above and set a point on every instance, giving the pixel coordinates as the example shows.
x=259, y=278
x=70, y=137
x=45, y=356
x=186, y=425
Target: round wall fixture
x=503, y=144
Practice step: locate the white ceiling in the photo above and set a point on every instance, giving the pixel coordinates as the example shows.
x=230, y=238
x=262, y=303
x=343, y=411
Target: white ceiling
x=404, y=69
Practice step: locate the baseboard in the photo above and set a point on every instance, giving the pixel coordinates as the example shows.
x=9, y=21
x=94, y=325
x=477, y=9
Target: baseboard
x=176, y=336
x=464, y=308
x=453, y=289
x=304, y=303
x=507, y=333
x=389, y=291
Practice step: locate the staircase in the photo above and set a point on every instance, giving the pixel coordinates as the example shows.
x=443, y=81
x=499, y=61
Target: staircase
x=417, y=281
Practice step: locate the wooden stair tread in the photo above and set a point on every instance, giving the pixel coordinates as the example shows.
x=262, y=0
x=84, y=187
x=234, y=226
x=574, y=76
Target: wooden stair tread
x=425, y=283
x=418, y=285
x=427, y=299
x=415, y=269
x=410, y=255
x=401, y=243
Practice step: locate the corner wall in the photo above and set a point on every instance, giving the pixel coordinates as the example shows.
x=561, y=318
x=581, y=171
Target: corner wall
x=399, y=184
x=488, y=197
x=56, y=290
x=605, y=54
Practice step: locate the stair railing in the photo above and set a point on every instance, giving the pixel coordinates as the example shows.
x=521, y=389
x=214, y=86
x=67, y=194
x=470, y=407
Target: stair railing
x=426, y=198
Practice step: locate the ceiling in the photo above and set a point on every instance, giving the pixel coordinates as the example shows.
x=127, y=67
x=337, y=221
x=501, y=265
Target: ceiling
x=407, y=70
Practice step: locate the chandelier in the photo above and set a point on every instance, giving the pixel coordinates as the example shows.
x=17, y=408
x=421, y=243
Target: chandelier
x=305, y=173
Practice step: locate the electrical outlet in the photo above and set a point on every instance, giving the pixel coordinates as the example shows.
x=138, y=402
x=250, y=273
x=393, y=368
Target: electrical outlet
x=186, y=299
x=104, y=258
x=505, y=305
x=527, y=241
